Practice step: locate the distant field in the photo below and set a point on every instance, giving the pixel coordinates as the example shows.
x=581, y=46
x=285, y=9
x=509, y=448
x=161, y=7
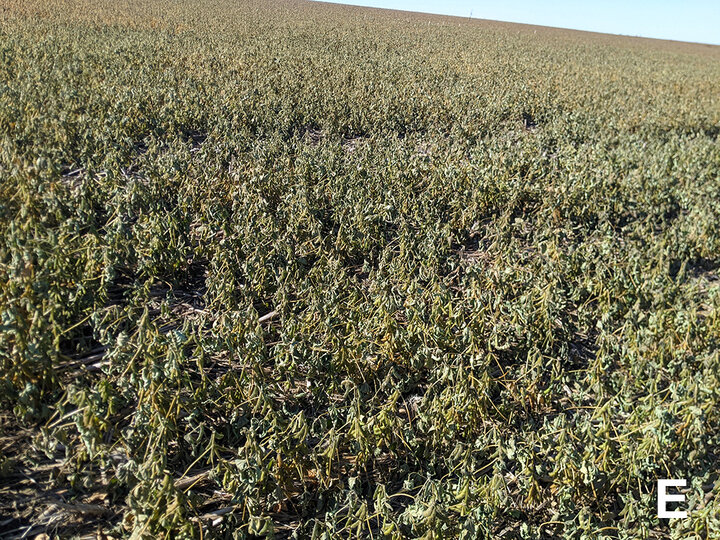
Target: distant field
x=304, y=270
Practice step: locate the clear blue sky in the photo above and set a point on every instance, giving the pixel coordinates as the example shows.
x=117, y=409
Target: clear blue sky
x=683, y=20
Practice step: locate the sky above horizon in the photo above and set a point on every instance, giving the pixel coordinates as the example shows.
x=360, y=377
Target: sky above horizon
x=689, y=20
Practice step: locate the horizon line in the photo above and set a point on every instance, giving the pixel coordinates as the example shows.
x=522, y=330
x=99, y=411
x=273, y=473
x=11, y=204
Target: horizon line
x=473, y=18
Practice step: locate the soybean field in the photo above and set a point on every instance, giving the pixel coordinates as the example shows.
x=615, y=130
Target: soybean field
x=287, y=269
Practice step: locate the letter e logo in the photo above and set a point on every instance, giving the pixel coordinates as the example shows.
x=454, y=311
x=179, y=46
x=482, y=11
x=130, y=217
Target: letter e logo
x=664, y=498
